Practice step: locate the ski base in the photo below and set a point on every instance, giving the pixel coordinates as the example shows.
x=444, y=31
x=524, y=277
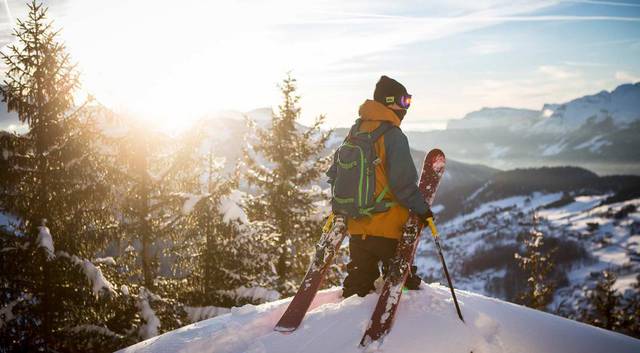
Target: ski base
x=325, y=250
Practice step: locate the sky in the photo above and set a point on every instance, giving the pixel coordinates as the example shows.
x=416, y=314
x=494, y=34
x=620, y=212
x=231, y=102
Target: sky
x=175, y=61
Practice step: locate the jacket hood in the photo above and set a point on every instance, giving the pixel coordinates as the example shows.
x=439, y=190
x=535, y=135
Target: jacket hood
x=374, y=111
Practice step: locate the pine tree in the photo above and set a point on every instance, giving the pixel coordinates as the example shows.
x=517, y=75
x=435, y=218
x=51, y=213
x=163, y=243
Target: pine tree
x=539, y=290
x=150, y=171
x=603, y=303
x=631, y=311
x=54, y=177
x=219, y=250
x=282, y=164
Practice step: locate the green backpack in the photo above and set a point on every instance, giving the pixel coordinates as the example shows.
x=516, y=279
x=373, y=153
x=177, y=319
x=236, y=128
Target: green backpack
x=355, y=178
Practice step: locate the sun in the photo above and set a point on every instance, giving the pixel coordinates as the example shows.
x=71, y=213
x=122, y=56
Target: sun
x=171, y=63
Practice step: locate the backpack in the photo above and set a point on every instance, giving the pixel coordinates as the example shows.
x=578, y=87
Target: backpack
x=354, y=185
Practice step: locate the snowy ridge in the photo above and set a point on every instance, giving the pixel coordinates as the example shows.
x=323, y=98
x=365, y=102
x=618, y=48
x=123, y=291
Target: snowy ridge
x=426, y=318
x=622, y=105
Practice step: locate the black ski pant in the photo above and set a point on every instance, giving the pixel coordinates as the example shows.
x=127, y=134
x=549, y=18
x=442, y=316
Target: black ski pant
x=363, y=269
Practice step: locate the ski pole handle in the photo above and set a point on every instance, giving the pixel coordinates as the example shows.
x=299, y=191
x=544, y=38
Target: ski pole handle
x=432, y=226
x=328, y=224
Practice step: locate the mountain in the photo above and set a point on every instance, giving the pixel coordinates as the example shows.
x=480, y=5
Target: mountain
x=590, y=223
x=502, y=184
x=622, y=106
x=425, y=322
x=598, y=132
x=509, y=118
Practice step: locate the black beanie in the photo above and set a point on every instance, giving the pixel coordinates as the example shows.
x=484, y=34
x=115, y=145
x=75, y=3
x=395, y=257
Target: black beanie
x=388, y=87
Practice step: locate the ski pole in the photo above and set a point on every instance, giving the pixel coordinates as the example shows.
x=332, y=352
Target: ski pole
x=436, y=239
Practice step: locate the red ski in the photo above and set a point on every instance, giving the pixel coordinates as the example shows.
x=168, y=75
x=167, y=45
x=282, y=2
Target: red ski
x=384, y=312
x=332, y=236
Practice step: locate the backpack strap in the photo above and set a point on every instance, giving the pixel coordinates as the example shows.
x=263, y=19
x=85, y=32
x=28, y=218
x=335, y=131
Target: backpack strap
x=370, y=135
x=381, y=130
x=354, y=129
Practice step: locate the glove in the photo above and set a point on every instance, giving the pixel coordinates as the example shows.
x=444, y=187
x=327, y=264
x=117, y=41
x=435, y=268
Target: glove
x=426, y=215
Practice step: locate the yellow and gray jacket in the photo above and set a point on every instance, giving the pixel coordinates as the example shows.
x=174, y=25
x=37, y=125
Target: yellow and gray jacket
x=396, y=171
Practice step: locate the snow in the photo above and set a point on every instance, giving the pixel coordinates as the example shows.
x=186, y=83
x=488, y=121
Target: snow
x=625, y=282
x=552, y=150
x=255, y=294
x=93, y=273
x=7, y=220
x=94, y=328
x=199, y=313
x=621, y=105
x=594, y=144
x=581, y=203
x=525, y=203
x=478, y=191
x=501, y=117
x=6, y=313
x=105, y=260
x=190, y=201
x=45, y=241
x=437, y=208
x=152, y=323
x=230, y=208
x=426, y=322
x=496, y=152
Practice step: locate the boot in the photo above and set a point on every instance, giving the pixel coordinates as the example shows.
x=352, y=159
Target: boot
x=413, y=280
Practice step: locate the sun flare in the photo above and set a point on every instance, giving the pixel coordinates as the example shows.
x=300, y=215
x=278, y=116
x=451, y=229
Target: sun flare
x=169, y=64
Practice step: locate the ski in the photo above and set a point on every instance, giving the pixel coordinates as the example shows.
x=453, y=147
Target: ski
x=384, y=312
x=333, y=234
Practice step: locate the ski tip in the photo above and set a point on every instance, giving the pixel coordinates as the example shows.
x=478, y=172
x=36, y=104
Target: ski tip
x=284, y=329
x=436, y=152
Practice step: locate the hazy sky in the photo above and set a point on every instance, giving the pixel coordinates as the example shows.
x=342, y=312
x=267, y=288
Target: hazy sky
x=177, y=60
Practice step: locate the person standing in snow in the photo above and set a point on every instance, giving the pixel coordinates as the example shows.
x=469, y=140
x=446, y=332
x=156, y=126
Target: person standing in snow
x=375, y=231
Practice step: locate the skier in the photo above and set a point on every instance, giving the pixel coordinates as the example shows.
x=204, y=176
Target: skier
x=374, y=236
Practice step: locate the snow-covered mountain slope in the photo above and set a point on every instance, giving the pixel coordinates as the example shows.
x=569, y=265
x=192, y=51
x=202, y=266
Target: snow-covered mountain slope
x=510, y=118
x=622, y=106
x=590, y=232
x=426, y=322
x=464, y=194
x=599, y=132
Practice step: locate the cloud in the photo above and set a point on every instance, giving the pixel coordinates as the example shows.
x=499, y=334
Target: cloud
x=557, y=72
x=606, y=3
x=626, y=77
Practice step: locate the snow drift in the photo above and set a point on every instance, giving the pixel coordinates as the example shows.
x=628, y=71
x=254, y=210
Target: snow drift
x=426, y=322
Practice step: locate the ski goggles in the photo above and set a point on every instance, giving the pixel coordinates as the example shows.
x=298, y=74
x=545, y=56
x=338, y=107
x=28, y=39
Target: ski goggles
x=403, y=101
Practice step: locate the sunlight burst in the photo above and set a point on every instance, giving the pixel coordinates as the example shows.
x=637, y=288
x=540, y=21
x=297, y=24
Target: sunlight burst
x=171, y=65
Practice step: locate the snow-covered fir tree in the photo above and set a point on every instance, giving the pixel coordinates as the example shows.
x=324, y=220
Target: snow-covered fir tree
x=55, y=175
x=54, y=187
x=283, y=162
x=219, y=252
x=149, y=172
